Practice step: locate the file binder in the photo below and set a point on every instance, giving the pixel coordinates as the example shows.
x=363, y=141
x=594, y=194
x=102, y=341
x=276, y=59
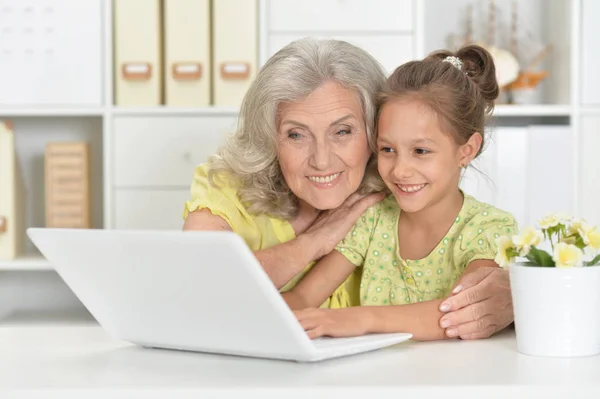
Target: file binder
x=235, y=49
x=187, y=52
x=12, y=197
x=137, y=54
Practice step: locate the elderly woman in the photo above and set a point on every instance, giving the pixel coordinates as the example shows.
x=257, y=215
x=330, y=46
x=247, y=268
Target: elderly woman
x=299, y=172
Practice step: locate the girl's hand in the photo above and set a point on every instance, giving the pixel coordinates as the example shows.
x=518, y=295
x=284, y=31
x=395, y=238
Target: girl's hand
x=333, y=226
x=348, y=322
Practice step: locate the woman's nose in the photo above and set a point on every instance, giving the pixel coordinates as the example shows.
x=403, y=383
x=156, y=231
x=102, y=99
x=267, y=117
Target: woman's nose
x=321, y=157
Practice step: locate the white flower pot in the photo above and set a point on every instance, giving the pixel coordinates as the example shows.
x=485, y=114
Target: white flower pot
x=557, y=311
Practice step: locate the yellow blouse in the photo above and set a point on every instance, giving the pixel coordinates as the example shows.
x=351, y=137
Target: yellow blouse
x=390, y=279
x=259, y=231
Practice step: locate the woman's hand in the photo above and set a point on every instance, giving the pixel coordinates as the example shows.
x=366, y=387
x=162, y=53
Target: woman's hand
x=333, y=225
x=481, y=305
x=348, y=322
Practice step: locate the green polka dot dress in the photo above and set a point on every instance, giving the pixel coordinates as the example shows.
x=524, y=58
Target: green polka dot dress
x=387, y=279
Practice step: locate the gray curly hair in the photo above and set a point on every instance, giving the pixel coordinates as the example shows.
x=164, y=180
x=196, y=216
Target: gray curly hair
x=249, y=156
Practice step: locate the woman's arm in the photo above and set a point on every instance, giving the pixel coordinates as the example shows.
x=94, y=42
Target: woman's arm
x=281, y=262
x=318, y=284
x=284, y=261
x=421, y=319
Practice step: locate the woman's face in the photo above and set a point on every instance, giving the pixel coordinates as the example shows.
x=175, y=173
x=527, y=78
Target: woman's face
x=322, y=146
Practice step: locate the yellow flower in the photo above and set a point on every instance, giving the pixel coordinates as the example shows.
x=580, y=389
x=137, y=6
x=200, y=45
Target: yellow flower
x=576, y=225
x=503, y=257
x=554, y=219
x=590, y=236
x=528, y=237
x=567, y=255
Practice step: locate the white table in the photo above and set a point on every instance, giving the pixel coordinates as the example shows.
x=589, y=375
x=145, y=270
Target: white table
x=79, y=360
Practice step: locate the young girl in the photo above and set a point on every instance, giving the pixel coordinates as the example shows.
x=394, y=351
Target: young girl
x=415, y=244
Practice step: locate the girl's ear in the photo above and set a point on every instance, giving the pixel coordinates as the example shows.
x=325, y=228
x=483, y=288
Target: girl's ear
x=470, y=149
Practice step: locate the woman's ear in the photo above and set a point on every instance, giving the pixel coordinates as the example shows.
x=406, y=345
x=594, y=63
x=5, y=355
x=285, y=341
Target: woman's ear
x=470, y=149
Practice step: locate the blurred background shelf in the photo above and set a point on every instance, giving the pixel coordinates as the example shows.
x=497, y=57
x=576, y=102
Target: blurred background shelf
x=9, y=112
x=26, y=263
x=174, y=111
x=532, y=110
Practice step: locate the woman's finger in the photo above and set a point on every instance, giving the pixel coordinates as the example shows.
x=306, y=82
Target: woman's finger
x=468, y=314
x=360, y=206
x=352, y=199
x=478, y=328
x=471, y=291
x=486, y=333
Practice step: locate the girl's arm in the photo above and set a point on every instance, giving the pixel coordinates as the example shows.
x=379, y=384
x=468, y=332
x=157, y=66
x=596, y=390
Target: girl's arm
x=420, y=319
x=320, y=282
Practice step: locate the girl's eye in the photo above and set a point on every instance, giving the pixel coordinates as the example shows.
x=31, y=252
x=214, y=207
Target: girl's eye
x=386, y=149
x=421, y=151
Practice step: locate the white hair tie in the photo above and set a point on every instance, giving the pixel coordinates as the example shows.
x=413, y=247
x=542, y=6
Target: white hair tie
x=455, y=61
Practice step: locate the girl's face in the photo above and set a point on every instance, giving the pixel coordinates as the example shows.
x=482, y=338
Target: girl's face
x=419, y=163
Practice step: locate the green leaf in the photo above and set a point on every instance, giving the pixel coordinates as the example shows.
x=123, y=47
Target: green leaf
x=546, y=259
x=533, y=258
x=512, y=253
x=579, y=242
x=594, y=261
x=530, y=263
x=569, y=240
x=540, y=257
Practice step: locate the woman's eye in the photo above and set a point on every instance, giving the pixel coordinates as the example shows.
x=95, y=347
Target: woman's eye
x=386, y=149
x=294, y=135
x=343, y=132
x=421, y=151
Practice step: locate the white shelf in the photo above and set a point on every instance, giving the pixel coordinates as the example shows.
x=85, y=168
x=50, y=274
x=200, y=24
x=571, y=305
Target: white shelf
x=590, y=111
x=26, y=263
x=51, y=111
x=532, y=110
x=175, y=111
x=500, y=110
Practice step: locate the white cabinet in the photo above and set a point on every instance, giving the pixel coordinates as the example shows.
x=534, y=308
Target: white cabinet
x=51, y=53
x=150, y=209
x=590, y=52
x=154, y=162
x=340, y=15
x=589, y=167
x=391, y=50
x=152, y=151
x=384, y=28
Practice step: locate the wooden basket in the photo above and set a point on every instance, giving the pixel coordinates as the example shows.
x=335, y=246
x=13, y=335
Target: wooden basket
x=67, y=177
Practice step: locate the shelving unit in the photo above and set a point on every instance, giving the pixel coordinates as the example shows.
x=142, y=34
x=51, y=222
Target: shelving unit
x=52, y=112
x=532, y=110
x=171, y=111
x=116, y=190
x=27, y=263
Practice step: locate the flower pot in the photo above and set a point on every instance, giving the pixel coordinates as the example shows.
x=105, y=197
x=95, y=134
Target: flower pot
x=557, y=310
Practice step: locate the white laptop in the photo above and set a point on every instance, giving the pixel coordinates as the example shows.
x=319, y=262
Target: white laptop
x=193, y=291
